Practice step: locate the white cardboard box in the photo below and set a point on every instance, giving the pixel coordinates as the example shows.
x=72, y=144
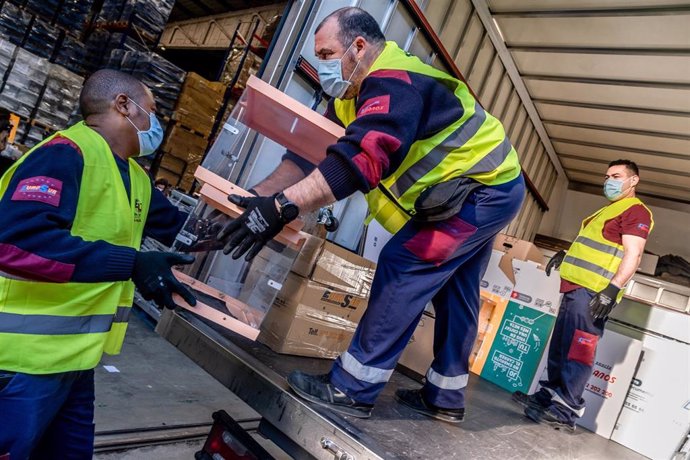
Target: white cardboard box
x=614, y=366
x=656, y=414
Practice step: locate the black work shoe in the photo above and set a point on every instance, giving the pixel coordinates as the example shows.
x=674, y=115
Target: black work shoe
x=551, y=417
x=415, y=401
x=535, y=401
x=319, y=390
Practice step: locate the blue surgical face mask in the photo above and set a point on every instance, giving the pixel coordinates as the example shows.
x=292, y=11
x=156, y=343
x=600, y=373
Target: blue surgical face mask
x=331, y=76
x=613, y=188
x=151, y=139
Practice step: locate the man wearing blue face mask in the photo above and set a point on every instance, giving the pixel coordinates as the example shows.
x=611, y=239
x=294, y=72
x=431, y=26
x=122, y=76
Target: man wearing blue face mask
x=73, y=211
x=594, y=271
x=438, y=172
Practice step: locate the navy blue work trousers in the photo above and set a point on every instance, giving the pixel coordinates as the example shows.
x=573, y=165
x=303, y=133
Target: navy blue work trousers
x=442, y=262
x=47, y=416
x=571, y=353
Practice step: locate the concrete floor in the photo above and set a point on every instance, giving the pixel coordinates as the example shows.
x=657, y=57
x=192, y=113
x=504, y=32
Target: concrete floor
x=151, y=393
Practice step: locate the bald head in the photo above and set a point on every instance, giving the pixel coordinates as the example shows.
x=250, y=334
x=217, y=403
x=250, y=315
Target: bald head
x=101, y=89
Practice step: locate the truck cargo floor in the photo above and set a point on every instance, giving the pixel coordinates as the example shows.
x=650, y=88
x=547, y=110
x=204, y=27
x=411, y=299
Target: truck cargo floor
x=494, y=426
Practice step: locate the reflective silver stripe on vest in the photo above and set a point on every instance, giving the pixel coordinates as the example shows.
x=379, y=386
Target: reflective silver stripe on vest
x=589, y=266
x=493, y=160
x=364, y=373
x=614, y=251
x=54, y=325
x=446, y=383
x=122, y=315
x=455, y=140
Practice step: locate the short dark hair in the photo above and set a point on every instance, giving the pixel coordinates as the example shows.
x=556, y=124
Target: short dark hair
x=101, y=88
x=162, y=181
x=630, y=165
x=355, y=22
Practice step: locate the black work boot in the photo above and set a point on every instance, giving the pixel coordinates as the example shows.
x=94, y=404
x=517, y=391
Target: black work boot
x=539, y=400
x=319, y=390
x=550, y=416
x=415, y=401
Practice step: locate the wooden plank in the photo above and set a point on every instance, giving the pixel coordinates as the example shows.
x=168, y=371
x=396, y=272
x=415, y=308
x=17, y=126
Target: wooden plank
x=288, y=122
x=205, y=176
x=244, y=316
x=219, y=200
x=218, y=317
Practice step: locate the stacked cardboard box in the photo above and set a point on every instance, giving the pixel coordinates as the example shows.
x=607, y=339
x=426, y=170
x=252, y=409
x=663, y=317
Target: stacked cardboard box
x=419, y=353
x=192, y=121
x=198, y=104
x=527, y=301
x=321, y=302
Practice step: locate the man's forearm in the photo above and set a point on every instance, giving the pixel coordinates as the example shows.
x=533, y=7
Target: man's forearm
x=311, y=193
x=286, y=174
x=627, y=268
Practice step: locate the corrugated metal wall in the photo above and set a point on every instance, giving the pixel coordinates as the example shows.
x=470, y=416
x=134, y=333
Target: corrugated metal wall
x=465, y=36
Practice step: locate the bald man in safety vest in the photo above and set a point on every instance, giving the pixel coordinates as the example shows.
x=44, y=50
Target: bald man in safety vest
x=438, y=172
x=594, y=271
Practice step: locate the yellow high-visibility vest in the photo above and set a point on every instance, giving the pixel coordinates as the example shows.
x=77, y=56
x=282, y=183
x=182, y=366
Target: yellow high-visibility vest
x=592, y=260
x=485, y=154
x=59, y=327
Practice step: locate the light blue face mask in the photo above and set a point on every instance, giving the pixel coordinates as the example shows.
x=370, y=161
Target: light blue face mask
x=613, y=188
x=331, y=76
x=151, y=139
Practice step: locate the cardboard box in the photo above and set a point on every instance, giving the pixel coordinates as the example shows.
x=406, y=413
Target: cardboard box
x=184, y=144
x=310, y=319
x=511, y=354
x=419, y=353
x=516, y=249
x=605, y=392
x=331, y=265
x=656, y=414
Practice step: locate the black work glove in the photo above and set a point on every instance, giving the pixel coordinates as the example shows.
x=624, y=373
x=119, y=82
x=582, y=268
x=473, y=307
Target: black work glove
x=254, y=228
x=155, y=281
x=555, y=262
x=603, y=302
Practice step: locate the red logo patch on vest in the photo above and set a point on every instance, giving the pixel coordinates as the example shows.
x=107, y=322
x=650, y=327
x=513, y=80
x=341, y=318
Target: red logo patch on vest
x=40, y=188
x=376, y=105
x=643, y=227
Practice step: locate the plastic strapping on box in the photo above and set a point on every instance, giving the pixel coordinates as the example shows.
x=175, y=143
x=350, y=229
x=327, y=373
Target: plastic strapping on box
x=335, y=264
x=325, y=318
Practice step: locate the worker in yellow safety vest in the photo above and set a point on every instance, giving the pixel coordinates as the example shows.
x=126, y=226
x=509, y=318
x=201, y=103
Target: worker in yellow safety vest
x=73, y=211
x=438, y=172
x=594, y=271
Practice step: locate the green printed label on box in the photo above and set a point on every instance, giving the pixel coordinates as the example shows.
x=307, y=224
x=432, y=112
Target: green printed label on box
x=518, y=347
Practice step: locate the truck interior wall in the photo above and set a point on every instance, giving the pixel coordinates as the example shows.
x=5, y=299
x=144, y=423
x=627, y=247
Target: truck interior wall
x=666, y=238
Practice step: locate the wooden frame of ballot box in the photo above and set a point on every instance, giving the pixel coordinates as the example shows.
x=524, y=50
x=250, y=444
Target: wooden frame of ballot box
x=277, y=116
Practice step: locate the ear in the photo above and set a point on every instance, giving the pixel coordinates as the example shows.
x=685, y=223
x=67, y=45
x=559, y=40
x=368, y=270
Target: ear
x=360, y=44
x=123, y=105
x=634, y=181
